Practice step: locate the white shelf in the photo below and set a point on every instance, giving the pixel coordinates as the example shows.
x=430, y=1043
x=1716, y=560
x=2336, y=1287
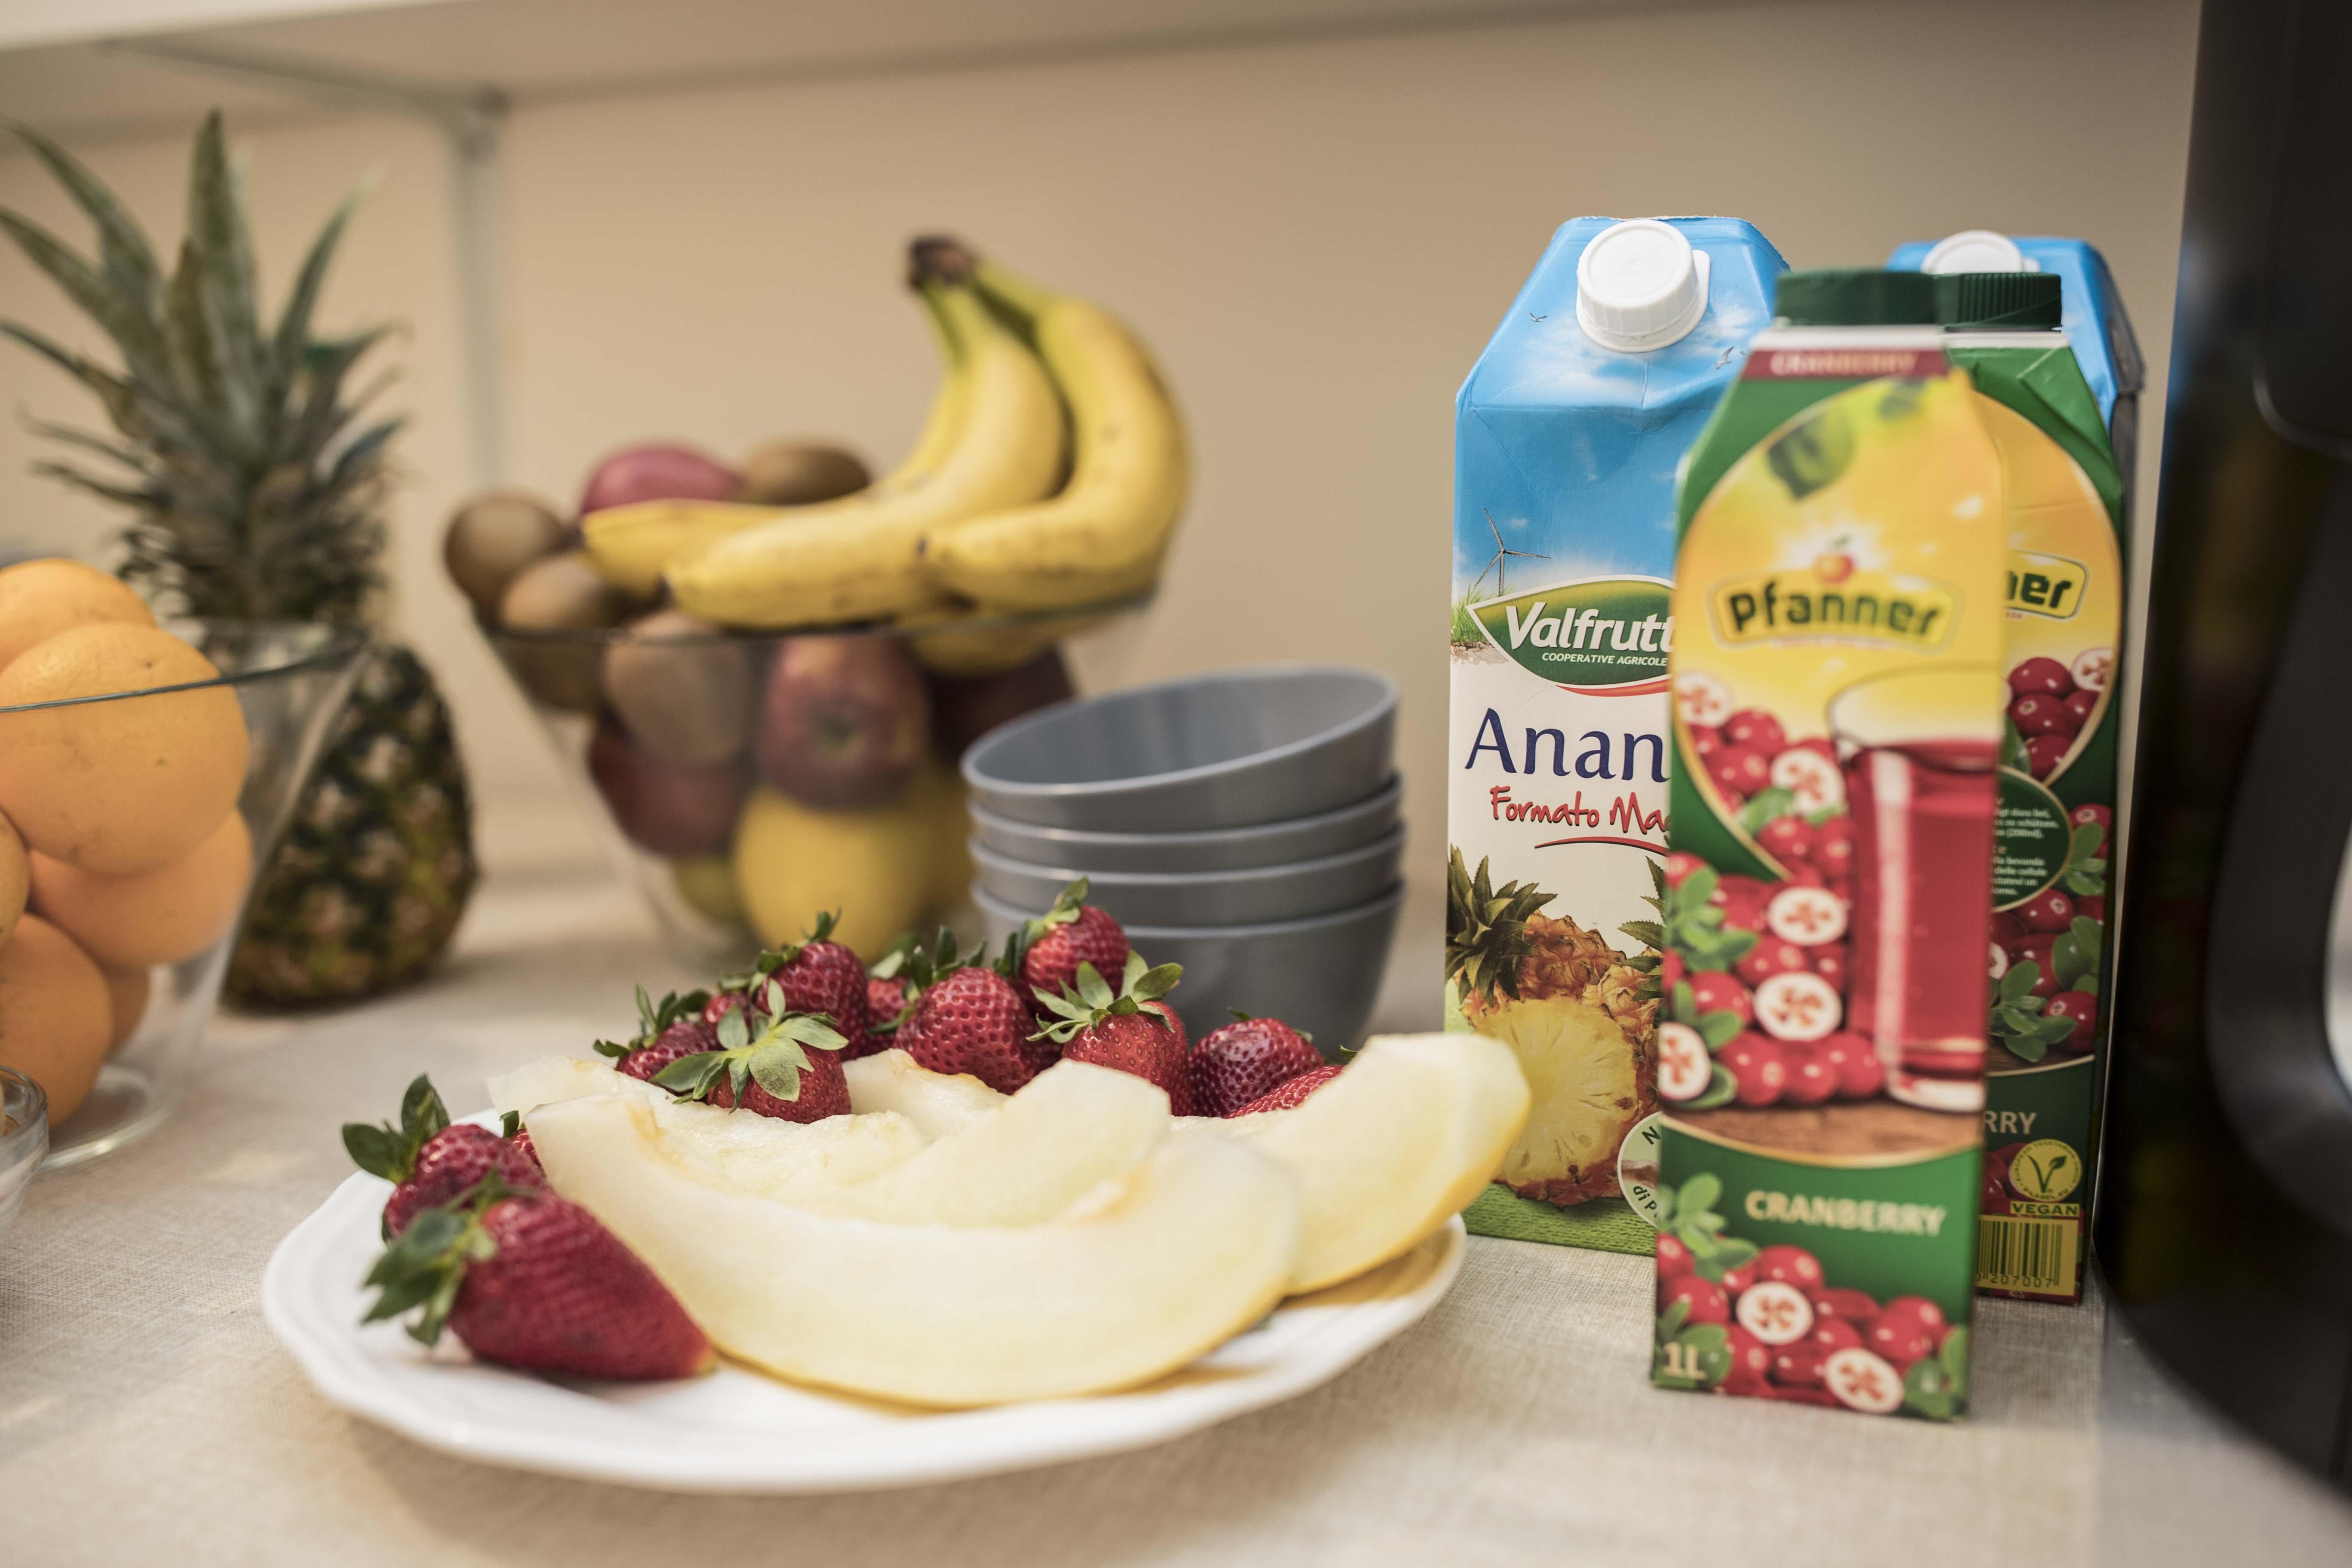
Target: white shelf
x=111, y=67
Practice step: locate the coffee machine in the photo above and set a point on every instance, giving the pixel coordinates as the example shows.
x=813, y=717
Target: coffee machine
x=2226, y=1232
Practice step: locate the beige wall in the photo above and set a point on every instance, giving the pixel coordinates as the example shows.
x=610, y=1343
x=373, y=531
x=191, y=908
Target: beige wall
x=1317, y=238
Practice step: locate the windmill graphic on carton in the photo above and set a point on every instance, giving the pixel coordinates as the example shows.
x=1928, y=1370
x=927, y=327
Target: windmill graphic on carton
x=1503, y=553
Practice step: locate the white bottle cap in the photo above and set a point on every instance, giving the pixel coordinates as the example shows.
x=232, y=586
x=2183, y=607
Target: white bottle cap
x=1639, y=286
x=1978, y=250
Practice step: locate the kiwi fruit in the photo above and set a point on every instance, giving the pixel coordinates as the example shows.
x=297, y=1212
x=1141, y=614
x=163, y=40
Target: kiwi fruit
x=681, y=689
x=560, y=592
x=797, y=473
x=492, y=537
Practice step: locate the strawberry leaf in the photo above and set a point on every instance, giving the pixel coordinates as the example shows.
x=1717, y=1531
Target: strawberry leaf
x=690, y=1077
x=734, y=1031
x=509, y=1124
x=1152, y=984
x=1095, y=991
x=391, y=1152
x=428, y=1263
x=776, y=1068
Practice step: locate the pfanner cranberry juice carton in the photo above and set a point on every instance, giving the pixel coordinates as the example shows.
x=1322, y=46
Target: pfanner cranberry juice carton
x=1569, y=433
x=2064, y=502
x=1838, y=724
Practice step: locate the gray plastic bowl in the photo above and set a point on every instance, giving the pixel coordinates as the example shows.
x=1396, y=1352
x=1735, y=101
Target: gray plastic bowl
x=1203, y=898
x=1223, y=849
x=1230, y=750
x=1320, y=974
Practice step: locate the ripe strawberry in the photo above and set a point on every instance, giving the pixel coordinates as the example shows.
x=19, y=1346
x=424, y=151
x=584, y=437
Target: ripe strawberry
x=819, y=977
x=429, y=1160
x=1291, y=1093
x=532, y=1281
x=761, y=1057
x=1238, y=1062
x=1070, y=933
x=972, y=1020
x=1131, y=1029
x=885, y=1000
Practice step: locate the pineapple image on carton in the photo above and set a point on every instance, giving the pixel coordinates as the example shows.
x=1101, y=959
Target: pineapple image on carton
x=1567, y=435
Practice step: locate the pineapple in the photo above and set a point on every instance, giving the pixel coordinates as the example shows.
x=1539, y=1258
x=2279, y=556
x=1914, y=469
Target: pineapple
x=1580, y=1016
x=254, y=492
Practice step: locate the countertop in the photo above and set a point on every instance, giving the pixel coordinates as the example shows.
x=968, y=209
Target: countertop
x=146, y=1415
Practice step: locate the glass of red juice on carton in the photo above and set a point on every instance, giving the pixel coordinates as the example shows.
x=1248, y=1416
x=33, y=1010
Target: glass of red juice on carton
x=1918, y=756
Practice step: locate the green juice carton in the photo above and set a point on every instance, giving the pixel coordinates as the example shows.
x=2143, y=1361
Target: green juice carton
x=1567, y=436
x=1837, y=726
x=2064, y=498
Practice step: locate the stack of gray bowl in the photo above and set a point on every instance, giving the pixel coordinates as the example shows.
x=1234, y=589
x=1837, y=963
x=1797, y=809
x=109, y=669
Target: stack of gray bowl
x=1243, y=824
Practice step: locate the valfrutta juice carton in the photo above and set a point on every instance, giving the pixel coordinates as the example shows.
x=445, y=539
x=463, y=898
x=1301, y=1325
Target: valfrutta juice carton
x=2064, y=501
x=1569, y=433
x=1838, y=720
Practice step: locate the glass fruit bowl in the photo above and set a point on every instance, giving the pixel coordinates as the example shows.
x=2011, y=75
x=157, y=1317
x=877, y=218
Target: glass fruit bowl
x=139, y=817
x=747, y=781
x=23, y=1138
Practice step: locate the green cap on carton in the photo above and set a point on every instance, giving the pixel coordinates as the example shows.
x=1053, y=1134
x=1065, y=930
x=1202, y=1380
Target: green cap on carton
x=1998, y=301
x=1856, y=297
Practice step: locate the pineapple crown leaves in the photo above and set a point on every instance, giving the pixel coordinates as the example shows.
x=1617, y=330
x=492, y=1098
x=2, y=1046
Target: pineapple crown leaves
x=252, y=493
x=1091, y=1000
x=426, y=1263
x=776, y=957
x=774, y=1059
x=653, y=1019
x=1485, y=928
x=391, y=1152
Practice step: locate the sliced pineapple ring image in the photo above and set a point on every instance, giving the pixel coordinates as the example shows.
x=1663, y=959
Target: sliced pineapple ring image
x=1573, y=1011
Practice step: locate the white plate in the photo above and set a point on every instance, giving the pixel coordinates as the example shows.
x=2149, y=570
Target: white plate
x=740, y=1431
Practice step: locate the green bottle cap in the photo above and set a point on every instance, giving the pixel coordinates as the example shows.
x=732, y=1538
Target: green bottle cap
x=1856, y=297
x=1998, y=301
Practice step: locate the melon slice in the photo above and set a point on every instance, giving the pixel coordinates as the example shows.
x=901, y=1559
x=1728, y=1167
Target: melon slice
x=1070, y=1130
x=1195, y=1246
x=789, y=1160
x=938, y=1103
x=1392, y=1149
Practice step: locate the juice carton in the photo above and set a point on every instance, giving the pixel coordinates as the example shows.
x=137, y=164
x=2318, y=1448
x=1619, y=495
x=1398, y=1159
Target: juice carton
x=2064, y=498
x=1838, y=707
x=2092, y=317
x=1567, y=436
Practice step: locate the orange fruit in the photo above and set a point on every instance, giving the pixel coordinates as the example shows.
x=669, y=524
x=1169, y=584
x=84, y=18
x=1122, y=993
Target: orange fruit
x=126, y=785
x=53, y=1014
x=16, y=877
x=39, y=599
x=126, y=996
x=173, y=912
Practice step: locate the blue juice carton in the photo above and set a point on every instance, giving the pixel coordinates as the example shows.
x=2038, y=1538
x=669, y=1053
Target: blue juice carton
x=1569, y=435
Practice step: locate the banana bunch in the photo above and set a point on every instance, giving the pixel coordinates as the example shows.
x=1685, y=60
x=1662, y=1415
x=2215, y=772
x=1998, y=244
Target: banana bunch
x=1048, y=476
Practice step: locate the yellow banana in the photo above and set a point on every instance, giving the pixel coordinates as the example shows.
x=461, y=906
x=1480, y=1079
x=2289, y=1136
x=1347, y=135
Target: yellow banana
x=1103, y=536
x=632, y=545
x=858, y=558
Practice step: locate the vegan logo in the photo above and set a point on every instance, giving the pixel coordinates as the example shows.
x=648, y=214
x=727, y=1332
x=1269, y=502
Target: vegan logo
x=1844, y=605
x=2048, y=585
x=1606, y=636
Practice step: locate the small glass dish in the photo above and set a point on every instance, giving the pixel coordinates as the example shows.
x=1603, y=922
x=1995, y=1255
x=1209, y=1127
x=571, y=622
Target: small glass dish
x=23, y=1138
x=289, y=680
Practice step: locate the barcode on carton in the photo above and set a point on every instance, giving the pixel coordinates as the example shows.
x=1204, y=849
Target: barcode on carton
x=2026, y=1254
